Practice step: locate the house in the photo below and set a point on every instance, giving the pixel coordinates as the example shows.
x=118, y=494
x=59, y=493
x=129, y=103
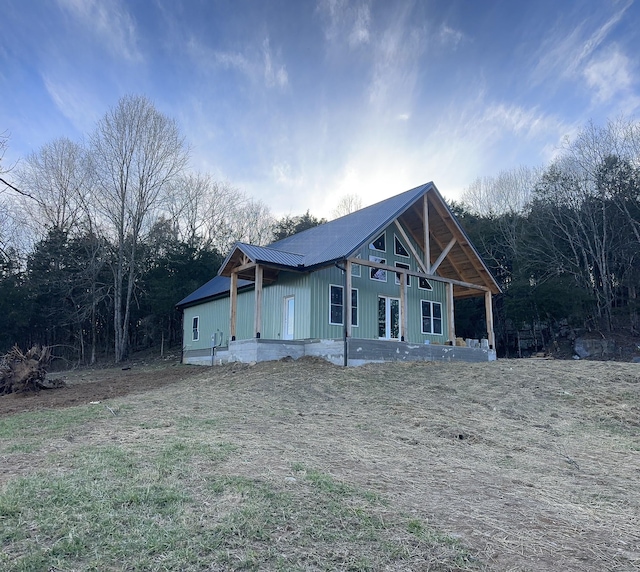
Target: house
x=377, y=284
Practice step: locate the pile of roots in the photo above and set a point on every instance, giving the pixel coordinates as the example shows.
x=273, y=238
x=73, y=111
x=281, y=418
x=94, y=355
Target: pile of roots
x=22, y=372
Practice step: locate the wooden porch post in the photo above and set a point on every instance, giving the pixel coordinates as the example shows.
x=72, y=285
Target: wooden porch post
x=347, y=300
x=257, y=324
x=403, y=307
x=451, y=314
x=233, y=304
x=488, y=308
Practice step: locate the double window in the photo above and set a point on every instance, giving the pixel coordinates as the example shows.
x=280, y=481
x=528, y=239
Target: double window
x=336, y=305
x=431, y=317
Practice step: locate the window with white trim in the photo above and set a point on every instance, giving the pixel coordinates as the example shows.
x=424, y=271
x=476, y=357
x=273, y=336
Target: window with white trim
x=431, y=317
x=399, y=248
x=379, y=244
x=354, y=307
x=195, y=326
x=378, y=274
x=406, y=267
x=424, y=284
x=335, y=305
x=356, y=269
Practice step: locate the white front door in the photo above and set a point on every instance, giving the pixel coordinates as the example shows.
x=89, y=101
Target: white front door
x=388, y=318
x=289, y=312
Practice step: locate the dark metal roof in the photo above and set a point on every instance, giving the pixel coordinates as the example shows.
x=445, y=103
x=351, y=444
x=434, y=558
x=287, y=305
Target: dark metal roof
x=341, y=237
x=333, y=240
x=272, y=255
x=215, y=287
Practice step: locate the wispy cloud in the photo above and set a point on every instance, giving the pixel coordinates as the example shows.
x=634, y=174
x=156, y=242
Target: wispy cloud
x=262, y=65
x=275, y=73
x=284, y=175
x=396, y=62
x=110, y=22
x=450, y=36
x=563, y=54
x=360, y=30
x=76, y=104
x=346, y=21
x=609, y=75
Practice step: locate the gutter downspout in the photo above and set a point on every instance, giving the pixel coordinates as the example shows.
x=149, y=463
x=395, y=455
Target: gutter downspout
x=345, y=360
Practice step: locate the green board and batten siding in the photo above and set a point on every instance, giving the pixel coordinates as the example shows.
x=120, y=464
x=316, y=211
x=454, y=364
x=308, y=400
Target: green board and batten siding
x=312, y=320
x=273, y=297
x=368, y=292
x=213, y=316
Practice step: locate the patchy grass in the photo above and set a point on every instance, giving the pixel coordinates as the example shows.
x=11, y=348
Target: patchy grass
x=170, y=505
x=513, y=465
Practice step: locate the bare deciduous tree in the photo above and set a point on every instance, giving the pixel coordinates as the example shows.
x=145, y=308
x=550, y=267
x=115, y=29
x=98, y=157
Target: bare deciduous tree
x=136, y=151
x=347, y=205
x=215, y=214
x=508, y=192
x=56, y=180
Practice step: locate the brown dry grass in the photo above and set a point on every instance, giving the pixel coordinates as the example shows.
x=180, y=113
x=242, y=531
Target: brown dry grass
x=531, y=464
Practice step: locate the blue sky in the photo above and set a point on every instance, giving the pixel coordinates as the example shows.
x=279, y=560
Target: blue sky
x=299, y=102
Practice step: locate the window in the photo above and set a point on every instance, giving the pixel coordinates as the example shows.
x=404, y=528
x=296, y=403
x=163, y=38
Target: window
x=399, y=248
x=406, y=267
x=335, y=305
x=356, y=269
x=424, y=284
x=379, y=244
x=354, y=307
x=431, y=317
x=378, y=274
x=195, y=326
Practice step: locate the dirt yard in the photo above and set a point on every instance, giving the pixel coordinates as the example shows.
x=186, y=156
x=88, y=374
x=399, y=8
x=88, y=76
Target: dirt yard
x=530, y=464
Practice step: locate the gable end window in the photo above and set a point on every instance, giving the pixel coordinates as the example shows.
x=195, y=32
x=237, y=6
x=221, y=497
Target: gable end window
x=356, y=269
x=196, y=328
x=378, y=274
x=424, y=284
x=379, y=244
x=431, y=317
x=399, y=248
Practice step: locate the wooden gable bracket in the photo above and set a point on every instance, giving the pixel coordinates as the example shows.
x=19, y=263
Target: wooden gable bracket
x=411, y=248
x=443, y=255
x=455, y=231
x=453, y=264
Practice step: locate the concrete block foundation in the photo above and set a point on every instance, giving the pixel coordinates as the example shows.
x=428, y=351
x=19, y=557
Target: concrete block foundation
x=359, y=352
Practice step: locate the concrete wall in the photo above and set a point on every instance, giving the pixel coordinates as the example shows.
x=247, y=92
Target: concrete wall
x=368, y=351
x=359, y=352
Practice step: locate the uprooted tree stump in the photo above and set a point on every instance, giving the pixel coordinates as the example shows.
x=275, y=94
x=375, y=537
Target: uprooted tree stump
x=22, y=372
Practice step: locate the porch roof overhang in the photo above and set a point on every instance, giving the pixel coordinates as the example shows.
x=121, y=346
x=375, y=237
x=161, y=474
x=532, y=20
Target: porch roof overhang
x=243, y=259
x=461, y=261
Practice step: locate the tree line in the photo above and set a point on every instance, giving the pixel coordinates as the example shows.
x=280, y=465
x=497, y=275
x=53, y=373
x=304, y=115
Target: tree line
x=100, y=239
x=563, y=240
